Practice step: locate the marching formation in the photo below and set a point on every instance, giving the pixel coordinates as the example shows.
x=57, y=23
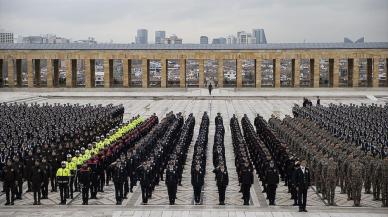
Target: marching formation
x=335, y=158
x=37, y=140
x=198, y=166
x=242, y=161
x=219, y=161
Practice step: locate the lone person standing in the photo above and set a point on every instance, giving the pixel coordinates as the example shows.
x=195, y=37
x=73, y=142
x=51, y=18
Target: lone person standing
x=210, y=87
x=302, y=184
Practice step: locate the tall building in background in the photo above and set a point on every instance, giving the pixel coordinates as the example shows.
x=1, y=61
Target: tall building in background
x=244, y=38
x=259, y=36
x=173, y=40
x=43, y=39
x=141, y=36
x=220, y=40
x=160, y=36
x=231, y=39
x=204, y=40
x=6, y=37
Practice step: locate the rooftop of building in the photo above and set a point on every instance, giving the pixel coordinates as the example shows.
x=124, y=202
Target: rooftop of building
x=270, y=46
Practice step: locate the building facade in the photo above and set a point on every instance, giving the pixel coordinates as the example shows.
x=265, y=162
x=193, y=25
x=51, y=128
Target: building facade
x=203, y=40
x=6, y=37
x=160, y=36
x=284, y=65
x=141, y=36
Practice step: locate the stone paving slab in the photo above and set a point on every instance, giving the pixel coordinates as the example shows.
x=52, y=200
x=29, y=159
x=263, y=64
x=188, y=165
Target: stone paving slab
x=158, y=205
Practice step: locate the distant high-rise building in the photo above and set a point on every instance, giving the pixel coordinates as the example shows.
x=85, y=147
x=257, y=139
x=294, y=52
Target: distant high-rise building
x=141, y=36
x=231, y=39
x=43, y=39
x=160, y=37
x=220, y=40
x=244, y=37
x=173, y=40
x=6, y=37
x=204, y=40
x=34, y=40
x=259, y=36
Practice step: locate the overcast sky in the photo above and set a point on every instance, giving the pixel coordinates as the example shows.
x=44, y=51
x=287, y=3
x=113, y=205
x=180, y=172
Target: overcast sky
x=118, y=20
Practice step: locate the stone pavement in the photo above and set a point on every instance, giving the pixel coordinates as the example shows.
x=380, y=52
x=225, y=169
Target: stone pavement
x=196, y=101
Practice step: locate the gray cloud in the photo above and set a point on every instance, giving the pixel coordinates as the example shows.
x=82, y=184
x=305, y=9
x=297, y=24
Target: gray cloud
x=117, y=20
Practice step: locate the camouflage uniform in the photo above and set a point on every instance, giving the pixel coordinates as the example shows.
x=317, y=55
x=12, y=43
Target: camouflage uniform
x=384, y=183
x=331, y=180
x=368, y=163
x=376, y=178
x=356, y=174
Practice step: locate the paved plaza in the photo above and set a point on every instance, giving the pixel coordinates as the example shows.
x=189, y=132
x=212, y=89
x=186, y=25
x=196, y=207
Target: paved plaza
x=266, y=102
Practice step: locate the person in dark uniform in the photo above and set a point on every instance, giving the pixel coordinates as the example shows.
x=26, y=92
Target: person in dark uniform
x=131, y=166
x=9, y=178
x=171, y=182
x=46, y=175
x=55, y=164
x=37, y=180
x=272, y=180
x=197, y=180
x=210, y=87
x=318, y=101
x=19, y=167
x=144, y=175
x=222, y=179
x=84, y=180
x=118, y=176
x=302, y=179
x=92, y=163
x=246, y=183
x=30, y=161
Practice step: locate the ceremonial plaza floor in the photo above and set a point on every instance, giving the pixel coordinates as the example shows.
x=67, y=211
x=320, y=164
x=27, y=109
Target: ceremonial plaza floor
x=226, y=101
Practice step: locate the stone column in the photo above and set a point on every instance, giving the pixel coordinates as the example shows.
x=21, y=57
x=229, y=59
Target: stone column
x=220, y=73
x=296, y=72
x=239, y=73
x=201, y=66
x=30, y=73
x=258, y=72
x=88, y=74
x=11, y=72
x=74, y=71
x=144, y=71
x=108, y=72
x=50, y=76
x=314, y=72
x=126, y=71
x=276, y=72
x=350, y=72
x=69, y=77
x=369, y=71
x=386, y=72
x=375, y=82
x=18, y=72
x=334, y=72
x=356, y=72
x=163, y=74
x=107, y=81
x=182, y=73
x=37, y=71
x=56, y=72
x=92, y=73
x=1, y=73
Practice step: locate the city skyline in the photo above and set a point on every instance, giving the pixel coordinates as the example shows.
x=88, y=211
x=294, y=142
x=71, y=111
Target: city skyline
x=299, y=21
